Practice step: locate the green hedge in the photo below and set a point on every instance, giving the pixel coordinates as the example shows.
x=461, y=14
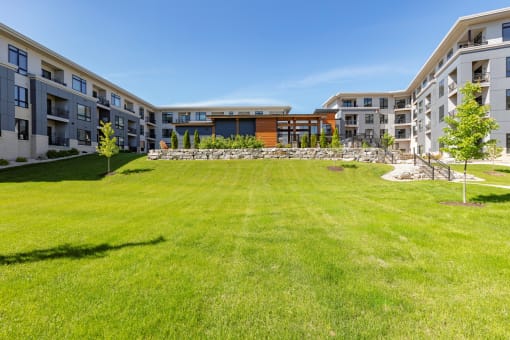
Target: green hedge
x=237, y=142
x=61, y=153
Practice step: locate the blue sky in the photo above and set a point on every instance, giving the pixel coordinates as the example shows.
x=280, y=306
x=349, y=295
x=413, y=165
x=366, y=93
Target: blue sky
x=230, y=52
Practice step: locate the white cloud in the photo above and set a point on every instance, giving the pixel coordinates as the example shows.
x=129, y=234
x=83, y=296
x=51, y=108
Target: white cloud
x=233, y=102
x=338, y=74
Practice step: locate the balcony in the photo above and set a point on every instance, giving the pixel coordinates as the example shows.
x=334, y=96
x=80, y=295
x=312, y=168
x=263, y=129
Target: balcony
x=103, y=101
x=351, y=122
x=402, y=136
x=150, y=120
x=428, y=127
x=58, y=140
x=129, y=108
x=132, y=130
x=150, y=135
x=466, y=44
x=402, y=106
x=53, y=79
x=482, y=77
x=58, y=112
x=402, y=121
x=427, y=107
x=452, y=113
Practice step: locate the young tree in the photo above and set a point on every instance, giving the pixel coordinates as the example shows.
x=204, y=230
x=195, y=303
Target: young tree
x=322, y=141
x=304, y=140
x=173, y=140
x=196, y=140
x=335, y=141
x=186, y=142
x=465, y=137
x=493, y=150
x=387, y=141
x=107, y=142
x=313, y=141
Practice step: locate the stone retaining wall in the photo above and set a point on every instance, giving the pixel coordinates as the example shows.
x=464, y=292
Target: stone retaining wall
x=363, y=155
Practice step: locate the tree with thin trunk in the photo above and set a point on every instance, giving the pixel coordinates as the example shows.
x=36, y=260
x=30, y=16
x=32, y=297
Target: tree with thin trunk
x=322, y=140
x=186, y=142
x=465, y=137
x=387, y=141
x=313, y=141
x=174, y=143
x=335, y=140
x=304, y=141
x=196, y=139
x=107, y=142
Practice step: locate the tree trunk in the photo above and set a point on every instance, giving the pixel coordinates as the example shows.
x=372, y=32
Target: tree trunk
x=464, y=186
x=108, y=165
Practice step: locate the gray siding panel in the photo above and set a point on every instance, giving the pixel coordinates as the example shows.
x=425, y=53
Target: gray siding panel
x=6, y=99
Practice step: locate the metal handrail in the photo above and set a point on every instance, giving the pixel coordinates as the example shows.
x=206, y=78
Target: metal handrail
x=424, y=162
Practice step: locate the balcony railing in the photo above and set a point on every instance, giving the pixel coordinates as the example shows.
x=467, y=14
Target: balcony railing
x=466, y=44
x=151, y=135
x=452, y=87
x=58, y=140
x=55, y=80
x=481, y=77
x=132, y=130
x=84, y=142
x=129, y=108
x=402, y=121
x=59, y=112
x=427, y=126
x=103, y=101
x=427, y=106
x=351, y=122
x=452, y=113
x=401, y=106
x=150, y=119
x=184, y=119
x=401, y=136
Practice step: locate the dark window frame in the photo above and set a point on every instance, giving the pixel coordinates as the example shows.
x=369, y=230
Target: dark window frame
x=22, y=128
x=367, y=102
x=119, y=122
x=383, y=103
x=508, y=99
x=165, y=117
x=79, y=84
x=18, y=101
x=116, y=100
x=201, y=116
x=505, y=31
x=20, y=56
x=86, y=115
x=369, y=118
x=441, y=113
x=83, y=133
x=508, y=66
x=441, y=88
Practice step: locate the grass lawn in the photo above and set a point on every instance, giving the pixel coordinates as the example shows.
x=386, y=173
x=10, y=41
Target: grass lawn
x=493, y=174
x=247, y=249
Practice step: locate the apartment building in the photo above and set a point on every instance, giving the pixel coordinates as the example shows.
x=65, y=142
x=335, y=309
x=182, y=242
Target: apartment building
x=476, y=49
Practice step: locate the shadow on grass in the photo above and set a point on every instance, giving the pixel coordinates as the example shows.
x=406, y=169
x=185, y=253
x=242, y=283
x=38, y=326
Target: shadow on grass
x=507, y=171
x=351, y=166
x=135, y=171
x=71, y=252
x=85, y=168
x=492, y=198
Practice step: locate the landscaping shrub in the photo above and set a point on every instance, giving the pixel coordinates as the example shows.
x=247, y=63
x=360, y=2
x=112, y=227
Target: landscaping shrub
x=3, y=162
x=21, y=159
x=304, y=141
x=313, y=141
x=196, y=140
x=174, y=142
x=186, y=142
x=237, y=142
x=51, y=154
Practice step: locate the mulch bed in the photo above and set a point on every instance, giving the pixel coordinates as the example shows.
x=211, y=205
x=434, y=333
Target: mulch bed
x=494, y=173
x=468, y=204
x=335, y=168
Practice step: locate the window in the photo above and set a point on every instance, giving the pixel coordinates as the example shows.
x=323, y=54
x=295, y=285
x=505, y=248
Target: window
x=383, y=119
x=200, y=116
x=115, y=100
x=506, y=31
x=508, y=66
x=259, y=112
x=46, y=74
x=369, y=133
x=141, y=130
x=440, y=64
x=18, y=57
x=508, y=143
x=20, y=96
x=167, y=117
x=348, y=103
x=441, y=88
x=383, y=103
x=22, y=126
x=83, y=113
x=119, y=122
x=367, y=102
x=120, y=142
x=382, y=132
x=450, y=54
x=166, y=133
x=441, y=113
x=508, y=99
x=369, y=118
x=420, y=106
x=79, y=84
x=141, y=112
x=83, y=137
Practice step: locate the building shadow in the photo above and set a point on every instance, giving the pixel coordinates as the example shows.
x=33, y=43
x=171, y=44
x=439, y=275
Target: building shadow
x=72, y=252
x=85, y=168
x=492, y=198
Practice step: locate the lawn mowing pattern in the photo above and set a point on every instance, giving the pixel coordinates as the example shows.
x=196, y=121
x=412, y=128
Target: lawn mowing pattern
x=252, y=249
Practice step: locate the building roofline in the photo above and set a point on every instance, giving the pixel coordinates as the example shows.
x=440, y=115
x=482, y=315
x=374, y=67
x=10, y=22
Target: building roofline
x=224, y=108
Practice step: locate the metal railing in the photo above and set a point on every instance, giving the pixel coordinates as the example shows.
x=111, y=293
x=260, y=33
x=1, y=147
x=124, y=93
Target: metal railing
x=59, y=112
x=151, y=120
x=58, y=141
x=428, y=169
x=466, y=44
x=452, y=87
x=441, y=168
x=481, y=77
x=129, y=108
x=351, y=122
x=103, y=101
x=132, y=130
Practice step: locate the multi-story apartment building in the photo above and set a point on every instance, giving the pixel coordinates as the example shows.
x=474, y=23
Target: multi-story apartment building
x=476, y=49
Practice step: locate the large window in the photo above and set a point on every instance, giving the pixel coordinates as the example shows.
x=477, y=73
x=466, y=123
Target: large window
x=167, y=117
x=369, y=118
x=20, y=96
x=348, y=102
x=508, y=99
x=22, y=127
x=115, y=100
x=506, y=31
x=508, y=66
x=119, y=122
x=441, y=113
x=383, y=103
x=383, y=119
x=166, y=133
x=79, y=84
x=200, y=116
x=120, y=142
x=441, y=88
x=367, y=102
x=83, y=137
x=84, y=113
x=18, y=57
x=508, y=143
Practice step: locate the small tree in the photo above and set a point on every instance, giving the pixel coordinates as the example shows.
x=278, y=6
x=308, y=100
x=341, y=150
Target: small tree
x=313, y=141
x=493, y=150
x=173, y=140
x=304, y=140
x=465, y=136
x=387, y=141
x=107, y=142
x=335, y=141
x=186, y=142
x=322, y=141
x=196, y=140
